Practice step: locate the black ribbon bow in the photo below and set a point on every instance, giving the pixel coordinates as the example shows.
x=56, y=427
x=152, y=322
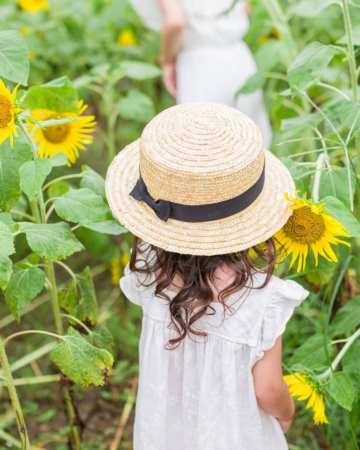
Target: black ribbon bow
x=161, y=208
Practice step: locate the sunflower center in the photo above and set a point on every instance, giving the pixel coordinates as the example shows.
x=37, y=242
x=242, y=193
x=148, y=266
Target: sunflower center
x=57, y=134
x=6, y=111
x=305, y=226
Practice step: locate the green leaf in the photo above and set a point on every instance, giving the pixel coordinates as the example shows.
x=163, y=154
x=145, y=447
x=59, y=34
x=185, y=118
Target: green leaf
x=312, y=354
x=93, y=181
x=5, y=271
x=351, y=360
x=60, y=98
x=136, y=106
x=81, y=206
x=309, y=64
x=68, y=298
x=139, y=70
x=309, y=8
x=107, y=227
x=332, y=184
x=14, y=61
x=336, y=208
x=58, y=160
x=347, y=318
x=253, y=84
x=24, y=285
x=51, y=241
x=80, y=361
x=6, y=240
x=87, y=309
x=102, y=338
x=356, y=37
x=58, y=189
x=10, y=161
x=342, y=390
x=32, y=176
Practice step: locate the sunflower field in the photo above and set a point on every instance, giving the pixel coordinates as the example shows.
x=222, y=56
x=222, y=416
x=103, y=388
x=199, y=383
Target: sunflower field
x=78, y=81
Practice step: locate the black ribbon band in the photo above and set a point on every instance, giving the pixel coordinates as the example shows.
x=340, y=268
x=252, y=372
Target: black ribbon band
x=198, y=213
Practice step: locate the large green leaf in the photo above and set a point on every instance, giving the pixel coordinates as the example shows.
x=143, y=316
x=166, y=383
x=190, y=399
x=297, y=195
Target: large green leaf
x=347, y=318
x=5, y=271
x=253, y=84
x=342, y=390
x=6, y=240
x=80, y=361
x=32, y=176
x=308, y=65
x=51, y=241
x=312, y=354
x=24, y=285
x=81, y=206
x=309, y=8
x=10, y=161
x=343, y=215
x=136, y=106
x=109, y=226
x=334, y=183
x=139, y=70
x=14, y=61
x=93, y=181
x=102, y=338
x=60, y=98
x=87, y=308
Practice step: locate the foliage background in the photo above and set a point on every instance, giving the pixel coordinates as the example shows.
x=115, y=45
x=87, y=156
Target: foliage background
x=315, y=115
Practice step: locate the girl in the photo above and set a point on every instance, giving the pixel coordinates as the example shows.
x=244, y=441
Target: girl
x=204, y=199
x=203, y=55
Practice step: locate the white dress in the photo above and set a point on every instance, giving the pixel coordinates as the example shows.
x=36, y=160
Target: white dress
x=201, y=395
x=214, y=62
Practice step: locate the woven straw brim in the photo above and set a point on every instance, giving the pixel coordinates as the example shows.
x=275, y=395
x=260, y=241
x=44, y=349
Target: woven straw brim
x=258, y=222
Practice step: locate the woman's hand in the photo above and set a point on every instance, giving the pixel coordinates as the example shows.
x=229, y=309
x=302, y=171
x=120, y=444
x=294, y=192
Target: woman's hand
x=169, y=77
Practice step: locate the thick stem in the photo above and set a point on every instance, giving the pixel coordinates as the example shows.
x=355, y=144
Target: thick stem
x=15, y=402
x=351, y=51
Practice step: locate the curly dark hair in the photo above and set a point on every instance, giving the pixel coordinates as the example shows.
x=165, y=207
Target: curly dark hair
x=193, y=299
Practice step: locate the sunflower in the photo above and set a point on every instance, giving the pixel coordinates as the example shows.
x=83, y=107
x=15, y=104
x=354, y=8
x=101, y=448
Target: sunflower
x=310, y=227
x=33, y=6
x=8, y=112
x=126, y=38
x=66, y=138
x=303, y=388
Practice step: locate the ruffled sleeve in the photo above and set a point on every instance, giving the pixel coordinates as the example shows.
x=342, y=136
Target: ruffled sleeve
x=285, y=296
x=150, y=13
x=132, y=285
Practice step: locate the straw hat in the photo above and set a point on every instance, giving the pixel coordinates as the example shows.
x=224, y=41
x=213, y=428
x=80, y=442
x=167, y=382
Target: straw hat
x=199, y=182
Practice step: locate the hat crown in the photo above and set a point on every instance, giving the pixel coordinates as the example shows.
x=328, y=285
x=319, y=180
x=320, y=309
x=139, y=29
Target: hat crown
x=197, y=154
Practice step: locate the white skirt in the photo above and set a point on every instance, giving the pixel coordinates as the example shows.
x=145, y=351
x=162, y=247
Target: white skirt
x=215, y=74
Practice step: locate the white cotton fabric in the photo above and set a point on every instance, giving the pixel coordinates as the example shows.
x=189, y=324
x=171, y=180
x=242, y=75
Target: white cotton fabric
x=201, y=395
x=214, y=62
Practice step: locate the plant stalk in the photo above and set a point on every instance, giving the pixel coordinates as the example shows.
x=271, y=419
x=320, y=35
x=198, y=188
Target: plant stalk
x=15, y=402
x=351, y=51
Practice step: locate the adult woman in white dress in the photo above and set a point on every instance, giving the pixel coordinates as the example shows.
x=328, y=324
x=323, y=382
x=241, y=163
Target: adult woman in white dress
x=203, y=55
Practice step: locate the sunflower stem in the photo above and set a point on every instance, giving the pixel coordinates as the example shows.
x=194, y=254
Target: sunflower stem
x=14, y=398
x=350, y=52
x=340, y=355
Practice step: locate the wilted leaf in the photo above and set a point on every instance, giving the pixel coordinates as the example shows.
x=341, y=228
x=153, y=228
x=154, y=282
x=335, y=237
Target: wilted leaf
x=32, y=176
x=5, y=271
x=14, y=61
x=10, y=161
x=51, y=241
x=80, y=361
x=87, y=308
x=140, y=70
x=342, y=390
x=136, y=106
x=24, y=285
